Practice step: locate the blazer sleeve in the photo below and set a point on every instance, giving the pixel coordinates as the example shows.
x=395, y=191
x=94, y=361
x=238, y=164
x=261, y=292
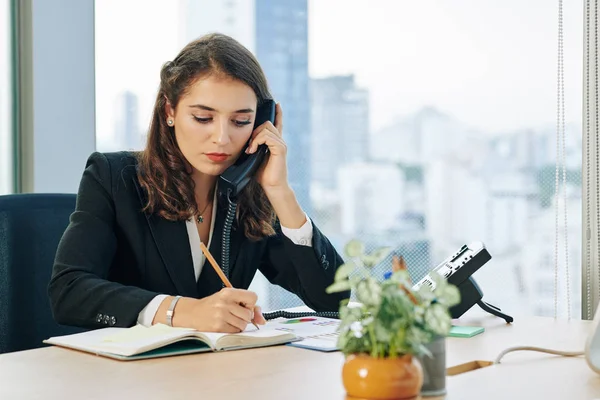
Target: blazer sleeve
x=80, y=293
x=303, y=270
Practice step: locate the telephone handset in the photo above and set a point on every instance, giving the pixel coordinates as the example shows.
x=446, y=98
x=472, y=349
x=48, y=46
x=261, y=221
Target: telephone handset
x=236, y=177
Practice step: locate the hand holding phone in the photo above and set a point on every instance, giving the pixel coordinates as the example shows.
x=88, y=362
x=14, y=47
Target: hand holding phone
x=236, y=177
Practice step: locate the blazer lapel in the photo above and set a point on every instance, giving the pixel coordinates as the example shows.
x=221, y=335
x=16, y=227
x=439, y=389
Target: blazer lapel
x=173, y=244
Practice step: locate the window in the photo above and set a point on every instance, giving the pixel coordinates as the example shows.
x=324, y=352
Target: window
x=430, y=127
x=6, y=100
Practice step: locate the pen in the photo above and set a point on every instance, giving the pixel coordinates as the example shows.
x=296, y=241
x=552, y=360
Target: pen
x=214, y=264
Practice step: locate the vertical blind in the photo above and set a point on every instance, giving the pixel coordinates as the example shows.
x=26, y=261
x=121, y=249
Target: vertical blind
x=591, y=164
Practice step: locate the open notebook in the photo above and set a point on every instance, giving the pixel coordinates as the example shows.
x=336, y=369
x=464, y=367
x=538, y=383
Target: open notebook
x=141, y=342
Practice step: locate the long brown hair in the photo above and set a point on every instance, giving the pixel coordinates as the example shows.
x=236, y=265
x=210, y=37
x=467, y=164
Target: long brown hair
x=162, y=169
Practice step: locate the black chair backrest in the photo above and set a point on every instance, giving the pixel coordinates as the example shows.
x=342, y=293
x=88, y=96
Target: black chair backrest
x=31, y=226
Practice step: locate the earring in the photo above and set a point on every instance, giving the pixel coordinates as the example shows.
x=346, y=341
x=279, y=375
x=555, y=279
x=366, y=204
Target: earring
x=170, y=122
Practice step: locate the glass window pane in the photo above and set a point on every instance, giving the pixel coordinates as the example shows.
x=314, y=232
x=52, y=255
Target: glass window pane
x=6, y=106
x=430, y=127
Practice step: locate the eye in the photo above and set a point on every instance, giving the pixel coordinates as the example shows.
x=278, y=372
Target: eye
x=241, y=123
x=203, y=120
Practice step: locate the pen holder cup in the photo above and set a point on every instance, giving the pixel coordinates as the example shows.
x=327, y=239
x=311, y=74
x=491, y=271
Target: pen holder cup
x=434, y=369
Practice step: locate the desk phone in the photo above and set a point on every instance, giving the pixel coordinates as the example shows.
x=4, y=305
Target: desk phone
x=458, y=270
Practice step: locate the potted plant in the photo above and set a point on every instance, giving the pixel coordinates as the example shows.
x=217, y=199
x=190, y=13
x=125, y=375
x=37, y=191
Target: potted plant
x=383, y=333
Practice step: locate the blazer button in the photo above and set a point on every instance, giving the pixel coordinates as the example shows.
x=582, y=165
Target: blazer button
x=99, y=318
x=324, y=262
x=106, y=318
x=113, y=321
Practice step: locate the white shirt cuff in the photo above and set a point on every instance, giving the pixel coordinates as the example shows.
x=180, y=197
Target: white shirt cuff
x=146, y=316
x=301, y=236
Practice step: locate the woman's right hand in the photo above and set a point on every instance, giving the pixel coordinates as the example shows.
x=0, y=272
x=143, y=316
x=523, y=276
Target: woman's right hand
x=228, y=311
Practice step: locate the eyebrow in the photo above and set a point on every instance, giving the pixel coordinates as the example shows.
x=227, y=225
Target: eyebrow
x=207, y=108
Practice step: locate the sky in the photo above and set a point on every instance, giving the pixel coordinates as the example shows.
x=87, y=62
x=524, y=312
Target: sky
x=490, y=64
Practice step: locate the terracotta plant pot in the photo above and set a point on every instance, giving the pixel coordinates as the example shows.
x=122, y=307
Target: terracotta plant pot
x=367, y=377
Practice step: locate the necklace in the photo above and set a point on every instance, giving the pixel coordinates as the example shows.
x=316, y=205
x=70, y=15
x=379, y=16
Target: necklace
x=200, y=218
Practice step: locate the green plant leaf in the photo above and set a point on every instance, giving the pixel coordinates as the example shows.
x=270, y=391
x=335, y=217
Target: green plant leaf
x=445, y=293
x=381, y=253
x=426, y=294
x=351, y=314
x=340, y=286
x=391, y=319
x=382, y=333
x=448, y=295
x=368, y=292
x=354, y=248
x=438, y=319
x=369, y=260
x=344, y=271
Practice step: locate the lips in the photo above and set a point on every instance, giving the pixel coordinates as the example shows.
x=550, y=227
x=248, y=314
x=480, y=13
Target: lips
x=217, y=157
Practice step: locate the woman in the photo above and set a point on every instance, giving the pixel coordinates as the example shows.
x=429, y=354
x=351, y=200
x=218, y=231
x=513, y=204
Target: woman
x=131, y=253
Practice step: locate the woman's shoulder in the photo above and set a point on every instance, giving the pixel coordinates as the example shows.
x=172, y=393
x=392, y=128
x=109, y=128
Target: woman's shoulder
x=113, y=162
x=113, y=167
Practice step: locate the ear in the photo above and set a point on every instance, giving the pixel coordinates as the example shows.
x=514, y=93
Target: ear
x=169, y=110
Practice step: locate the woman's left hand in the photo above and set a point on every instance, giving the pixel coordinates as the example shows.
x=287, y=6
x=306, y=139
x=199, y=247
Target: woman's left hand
x=272, y=175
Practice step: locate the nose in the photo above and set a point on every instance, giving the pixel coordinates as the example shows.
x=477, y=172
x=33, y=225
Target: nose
x=220, y=135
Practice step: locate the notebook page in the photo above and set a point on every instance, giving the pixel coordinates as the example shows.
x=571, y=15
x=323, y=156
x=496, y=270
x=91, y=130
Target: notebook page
x=251, y=336
x=141, y=333
x=122, y=341
x=140, y=338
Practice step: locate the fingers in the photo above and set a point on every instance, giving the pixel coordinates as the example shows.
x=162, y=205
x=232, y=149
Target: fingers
x=273, y=141
x=235, y=321
x=258, y=316
x=278, y=118
x=238, y=296
x=237, y=309
x=242, y=312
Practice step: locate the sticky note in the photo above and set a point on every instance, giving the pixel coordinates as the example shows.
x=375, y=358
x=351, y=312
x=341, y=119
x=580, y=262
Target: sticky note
x=465, y=331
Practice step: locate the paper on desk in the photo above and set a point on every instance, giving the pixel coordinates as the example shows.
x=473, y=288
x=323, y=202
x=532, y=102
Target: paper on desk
x=318, y=333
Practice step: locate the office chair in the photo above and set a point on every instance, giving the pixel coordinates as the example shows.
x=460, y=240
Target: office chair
x=31, y=226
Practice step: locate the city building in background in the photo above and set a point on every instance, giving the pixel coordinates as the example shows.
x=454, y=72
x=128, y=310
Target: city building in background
x=340, y=122
x=282, y=50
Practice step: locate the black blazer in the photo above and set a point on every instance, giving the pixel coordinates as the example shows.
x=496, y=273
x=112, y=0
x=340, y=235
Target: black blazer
x=113, y=259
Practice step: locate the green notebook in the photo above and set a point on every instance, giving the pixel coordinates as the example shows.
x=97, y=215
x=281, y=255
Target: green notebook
x=465, y=331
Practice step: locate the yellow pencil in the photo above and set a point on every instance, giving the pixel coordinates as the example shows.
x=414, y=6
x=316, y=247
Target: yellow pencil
x=218, y=270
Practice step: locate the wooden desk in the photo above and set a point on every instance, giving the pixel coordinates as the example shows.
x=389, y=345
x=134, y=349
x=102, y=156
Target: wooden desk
x=523, y=374
x=284, y=372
